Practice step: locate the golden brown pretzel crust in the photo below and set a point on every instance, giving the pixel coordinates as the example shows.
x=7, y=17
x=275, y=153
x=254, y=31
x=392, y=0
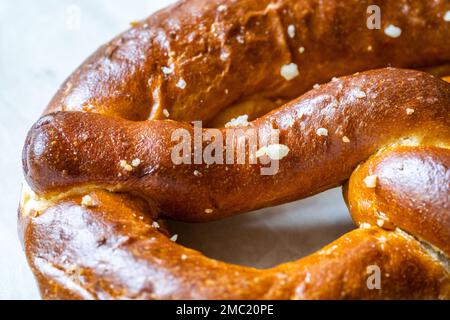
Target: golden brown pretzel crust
x=65, y=156
x=226, y=56
x=113, y=252
x=229, y=55
x=116, y=232
x=413, y=193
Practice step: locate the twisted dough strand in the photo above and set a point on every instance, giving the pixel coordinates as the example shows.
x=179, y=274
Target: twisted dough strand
x=93, y=230
x=117, y=231
x=234, y=55
x=65, y=150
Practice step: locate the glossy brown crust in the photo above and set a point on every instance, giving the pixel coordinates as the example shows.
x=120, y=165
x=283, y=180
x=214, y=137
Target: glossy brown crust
x=224, y=59
x=87, y=252
x=111, y=251
x=228, y=51
x=69, y=149
x=412, y=193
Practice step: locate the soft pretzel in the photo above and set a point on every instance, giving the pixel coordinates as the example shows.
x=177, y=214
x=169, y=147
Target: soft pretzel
x=83, y=249
x=200, y=58
x=92, y=225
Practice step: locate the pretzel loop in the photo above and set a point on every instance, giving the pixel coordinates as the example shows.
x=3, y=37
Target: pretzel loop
x=103, y=180
x=410, y=159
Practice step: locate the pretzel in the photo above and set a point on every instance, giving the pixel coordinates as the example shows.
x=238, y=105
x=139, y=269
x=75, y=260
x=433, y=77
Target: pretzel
x=104, y=181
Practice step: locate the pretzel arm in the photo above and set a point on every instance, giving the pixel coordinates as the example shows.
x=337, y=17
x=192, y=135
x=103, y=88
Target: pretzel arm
x=199, y=57
x=103, y=178
x=371, y=109
x=110, y=250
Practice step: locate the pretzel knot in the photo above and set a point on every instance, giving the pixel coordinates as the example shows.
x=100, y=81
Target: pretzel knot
x=103, y=182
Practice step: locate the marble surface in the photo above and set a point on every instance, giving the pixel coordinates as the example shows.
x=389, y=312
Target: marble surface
x=41, y=42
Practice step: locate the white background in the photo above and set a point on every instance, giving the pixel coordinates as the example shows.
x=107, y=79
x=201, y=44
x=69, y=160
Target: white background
x=40, y=45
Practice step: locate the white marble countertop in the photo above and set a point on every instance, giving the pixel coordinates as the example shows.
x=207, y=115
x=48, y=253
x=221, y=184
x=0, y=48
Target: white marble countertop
x=41, y=43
